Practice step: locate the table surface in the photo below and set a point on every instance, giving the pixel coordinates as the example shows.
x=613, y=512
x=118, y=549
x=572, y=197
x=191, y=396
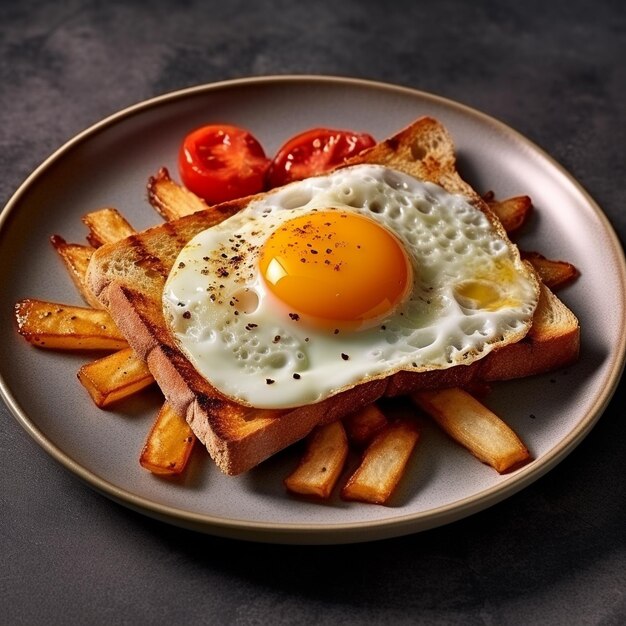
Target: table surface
x=554, y=552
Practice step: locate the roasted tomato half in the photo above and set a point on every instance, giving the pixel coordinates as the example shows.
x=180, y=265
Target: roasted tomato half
x=221, y=162
x=314, y=152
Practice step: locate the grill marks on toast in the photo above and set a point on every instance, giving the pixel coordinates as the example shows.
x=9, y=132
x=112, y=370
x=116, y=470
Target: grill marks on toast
x=156, y=256
x=144, y=259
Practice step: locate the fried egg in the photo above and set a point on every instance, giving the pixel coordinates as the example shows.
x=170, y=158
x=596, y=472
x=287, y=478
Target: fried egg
x=339, y=279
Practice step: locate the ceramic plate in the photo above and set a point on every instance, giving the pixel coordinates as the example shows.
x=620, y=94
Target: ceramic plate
x=109, y=165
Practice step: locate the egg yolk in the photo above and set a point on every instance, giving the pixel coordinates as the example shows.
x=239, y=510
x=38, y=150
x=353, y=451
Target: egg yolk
x=340, y=269
x=488, y=291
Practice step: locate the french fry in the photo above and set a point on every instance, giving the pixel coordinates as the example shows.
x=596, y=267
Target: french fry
x=512, y=212
x=383, y=464
x=115, y=377
x=67, y=327
x=169, y=443
x=106, y=226
x=554, y=274
x=76, y=258
x=475, y=427
x=362, y=425
x=170, y=199
x=319, y=468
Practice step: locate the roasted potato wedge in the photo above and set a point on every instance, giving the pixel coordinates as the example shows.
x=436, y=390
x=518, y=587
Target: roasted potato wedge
x=322, y=463
x=170, y=199
x=76, y=258
x=475, y=427
x=106, y=225
x=169, y=443
x=383, y=463
x=554, y=274
x=512, y=212
x=66, y=327
x=115, y=377
x=362, y=425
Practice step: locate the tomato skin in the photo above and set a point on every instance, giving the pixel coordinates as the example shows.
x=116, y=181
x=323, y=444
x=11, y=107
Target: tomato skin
x=221, y=162
x=314, y=152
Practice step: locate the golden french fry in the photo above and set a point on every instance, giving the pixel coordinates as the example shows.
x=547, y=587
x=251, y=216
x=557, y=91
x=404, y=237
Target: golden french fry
x=106, y=225
x=169, y=443
x=362, y=425
x=554, y=274
x=474, y=426
x=383, y=464
x=321, y=465
x=67, y=327
x=170, y=199
x=115, y=377
x=512, y=212
x=76, y=257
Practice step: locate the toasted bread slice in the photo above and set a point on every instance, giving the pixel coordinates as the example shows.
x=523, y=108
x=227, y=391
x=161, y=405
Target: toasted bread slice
x=128, y=278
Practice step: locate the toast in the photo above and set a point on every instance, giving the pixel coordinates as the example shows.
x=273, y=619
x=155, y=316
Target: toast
x=128, y=279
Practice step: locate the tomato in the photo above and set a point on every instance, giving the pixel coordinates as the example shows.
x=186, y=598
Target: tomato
x=221, y=162
x=314, y=152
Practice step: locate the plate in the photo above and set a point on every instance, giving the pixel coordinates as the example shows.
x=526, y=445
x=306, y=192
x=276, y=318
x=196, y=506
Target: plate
x=109, y=165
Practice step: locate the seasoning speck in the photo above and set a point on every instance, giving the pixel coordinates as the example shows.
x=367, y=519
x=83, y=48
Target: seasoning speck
x=187, y=315
x=270, y=381
x=344, y=356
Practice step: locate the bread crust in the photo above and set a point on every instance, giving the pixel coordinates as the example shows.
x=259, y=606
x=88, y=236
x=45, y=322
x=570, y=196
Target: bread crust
x=128, y=278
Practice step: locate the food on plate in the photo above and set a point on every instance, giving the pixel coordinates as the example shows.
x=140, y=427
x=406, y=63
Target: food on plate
x=383, y=463
x=474, y=426
x=322, y=463
x=554, y=274
x=106, y=226
x=76, y=258
x=512, y=212
x=67, y=327
x=114, y=377
x=314, y=152
x=362, y=425
x=366, y=217
x=129, y=278
x=221, y=162
x=169, y=443
x=172, y=200
x=342, y=279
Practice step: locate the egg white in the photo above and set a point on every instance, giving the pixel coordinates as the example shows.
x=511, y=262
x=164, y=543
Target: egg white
x=255, y=350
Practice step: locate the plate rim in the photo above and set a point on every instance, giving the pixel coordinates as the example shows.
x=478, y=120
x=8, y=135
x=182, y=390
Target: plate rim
x=349, y=532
